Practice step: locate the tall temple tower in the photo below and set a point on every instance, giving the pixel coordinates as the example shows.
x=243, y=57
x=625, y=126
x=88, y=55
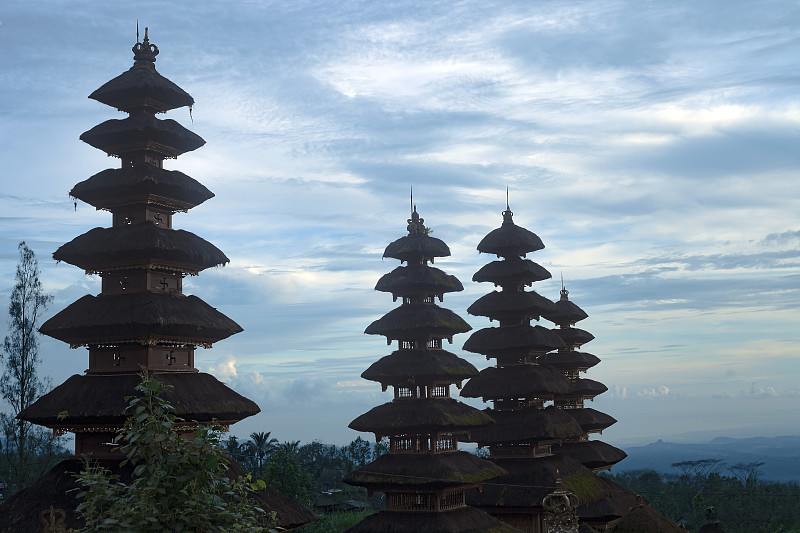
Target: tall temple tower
x=424, y=475
x=141, y=319
x=533, y=433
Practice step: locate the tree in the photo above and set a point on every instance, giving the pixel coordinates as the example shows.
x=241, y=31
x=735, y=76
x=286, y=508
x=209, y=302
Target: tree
x=27, y=449
x=260, y=445
x=179, y=483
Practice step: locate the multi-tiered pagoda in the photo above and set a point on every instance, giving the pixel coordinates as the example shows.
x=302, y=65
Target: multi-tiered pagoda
x=529, y=436
x=424, y=475
x=141, y=319
x=594, y=454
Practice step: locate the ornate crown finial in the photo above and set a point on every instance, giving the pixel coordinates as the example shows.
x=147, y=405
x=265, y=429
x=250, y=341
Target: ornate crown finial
x=564, y=291
x=416, y=224
x=144, y=53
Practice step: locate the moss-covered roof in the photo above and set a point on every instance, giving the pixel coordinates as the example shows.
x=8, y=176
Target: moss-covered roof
x=586, y=388
x=143, y=317
x=142, y=86
x=592, y=454
x=142, y=132
x=143, y=245
x=510, y=240
x=418, y=321
x=141, y=185
x=512, y=339
x=420, y=367
x=512, y=271
x=517, y=381
x=420, y=415
x=418, y=279
x=528, y=425
x=568, y=360
x=412, y=248
x=644, y=518
x=591, y=419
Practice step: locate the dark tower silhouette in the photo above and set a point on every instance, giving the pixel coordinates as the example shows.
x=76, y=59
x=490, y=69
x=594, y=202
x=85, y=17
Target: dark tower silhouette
x=424, y=476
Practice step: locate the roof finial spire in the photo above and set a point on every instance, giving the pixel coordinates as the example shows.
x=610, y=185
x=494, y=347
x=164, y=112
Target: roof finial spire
x=507, y=214
x=564, y=291
x=413, y=207
x=507, y=204
x=144, y=53
x=137, y=30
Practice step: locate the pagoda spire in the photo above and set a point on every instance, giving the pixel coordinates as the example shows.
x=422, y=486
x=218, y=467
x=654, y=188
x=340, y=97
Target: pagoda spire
x=424, y=475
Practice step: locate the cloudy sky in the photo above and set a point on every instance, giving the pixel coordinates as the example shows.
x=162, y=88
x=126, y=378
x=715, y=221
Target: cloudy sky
x=653, y=146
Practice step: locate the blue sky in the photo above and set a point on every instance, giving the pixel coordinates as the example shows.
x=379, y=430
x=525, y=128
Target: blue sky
x=653, y=146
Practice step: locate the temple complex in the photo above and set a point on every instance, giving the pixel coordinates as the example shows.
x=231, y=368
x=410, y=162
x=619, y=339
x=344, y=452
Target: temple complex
x=535, y=391
x=141, y=319
x=424, y=475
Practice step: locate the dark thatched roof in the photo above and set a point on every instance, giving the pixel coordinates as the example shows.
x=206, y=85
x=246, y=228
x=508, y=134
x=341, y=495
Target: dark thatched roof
x=644, y=518
x=413, y=247
x=20, y=512
x=459, y=520
x=142, y=86
x=529, y=425
x=517, y=381
x=141, y=184
x=512, y=339
x=568, y=360
x=143, y=317
x=418, y=321
x=423, y=471
x=592, y=454
x=142, y=132
x=510, y=240
x=529, y=480
x=420, y=415
x=510, y=305
x=586, y=388
x=574, y=336
x=512, y=271
x=99, y=399
x=591, y=419
x=419, y=367
x=417, y=280
x=140, y=246
x=565, y=312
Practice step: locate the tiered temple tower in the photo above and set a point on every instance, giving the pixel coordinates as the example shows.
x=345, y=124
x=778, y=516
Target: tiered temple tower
x=593, y=454
x=530, y=430
x=141, y=319
x=424, y=476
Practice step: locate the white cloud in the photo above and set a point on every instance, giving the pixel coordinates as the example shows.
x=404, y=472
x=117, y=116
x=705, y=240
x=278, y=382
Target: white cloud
x=661, y=391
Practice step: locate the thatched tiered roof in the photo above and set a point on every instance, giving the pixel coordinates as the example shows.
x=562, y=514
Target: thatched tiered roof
x=413, y=246
x=419, y=366
x=512, y=339
x=418, y=279
x=592, y=454
x=142, y=132
x=591, y=419
x=98, y=400
x=141, y=185
x=459, y=520
x=418, y=321
x=142, y=86
x=511, y=305
x=517, y=381
x=510, y=240
x=420, y=416
x=526, y=426
x=141, y=317
x=143, y=245
x=512, y=271
x=580, y=361
x=574, y=337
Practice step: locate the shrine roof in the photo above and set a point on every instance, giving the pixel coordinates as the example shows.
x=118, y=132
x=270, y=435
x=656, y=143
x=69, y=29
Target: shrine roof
x=588, y=388
x=140, y=246
x=592, y=454
x=565, y=313
x=423, y=415
x=510, y=304
x=513, y=270
x=511, y=339
x=510, y=240
x=591, y=419
x=139, y=317
x=140, y=133
x=461, y=519
x=92, y=400
x=418, y=321
x=568, y=360
x=141, y=185
x=413, y=247
x=419, y=367
x=423, y=471
x=418, y=279
x=528, y=425
x=643, y=517
x=573, y=336
x=517, y=381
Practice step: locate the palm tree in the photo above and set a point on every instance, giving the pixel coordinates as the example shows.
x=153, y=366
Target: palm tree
x=260, y=445
x=291, y=447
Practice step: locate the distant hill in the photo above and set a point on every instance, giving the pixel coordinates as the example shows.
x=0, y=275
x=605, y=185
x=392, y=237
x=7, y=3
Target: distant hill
x=781, y=455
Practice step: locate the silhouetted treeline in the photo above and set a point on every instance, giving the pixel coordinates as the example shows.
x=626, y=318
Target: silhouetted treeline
x=708, y=490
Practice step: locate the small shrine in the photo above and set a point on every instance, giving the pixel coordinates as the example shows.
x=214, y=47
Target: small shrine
x=424, y=476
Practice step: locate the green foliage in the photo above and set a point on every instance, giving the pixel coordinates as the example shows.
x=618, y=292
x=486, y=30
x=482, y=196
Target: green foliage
x=742, y=506
x=334, y=522
x=179, y=482
x=27, y=450
x=283, y=473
